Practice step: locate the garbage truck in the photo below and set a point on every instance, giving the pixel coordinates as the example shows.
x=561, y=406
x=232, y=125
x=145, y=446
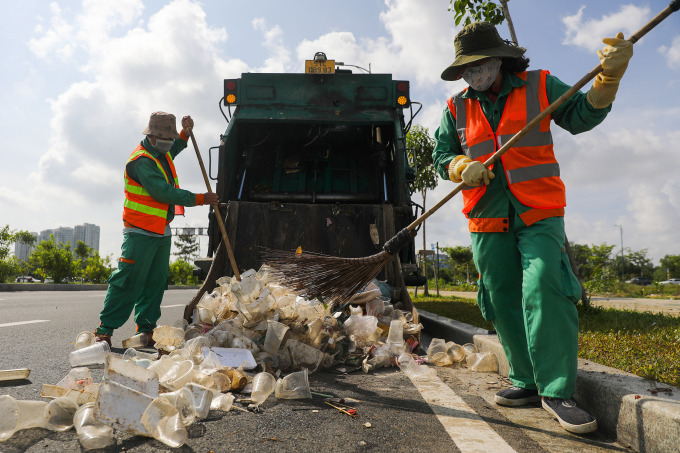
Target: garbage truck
x=316, y=160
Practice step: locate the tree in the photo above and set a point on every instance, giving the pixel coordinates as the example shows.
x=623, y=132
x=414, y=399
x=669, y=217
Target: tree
x=187, y=245
x=477, y=11
x=54, y=260
x=182, y=273
x=10, y=265
x=669, y=267
x=462, y=261
x=83, y=252
x=420, y=146
x=98, y=269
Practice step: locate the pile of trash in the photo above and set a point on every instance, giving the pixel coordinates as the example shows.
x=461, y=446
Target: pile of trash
x=248, y=339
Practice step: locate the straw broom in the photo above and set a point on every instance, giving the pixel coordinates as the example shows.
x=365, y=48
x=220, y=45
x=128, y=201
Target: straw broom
x=315, y=275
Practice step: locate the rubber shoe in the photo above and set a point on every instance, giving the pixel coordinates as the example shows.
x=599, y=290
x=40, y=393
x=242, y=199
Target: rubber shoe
x=102, y=337
x=571, y=416
x=516, y=396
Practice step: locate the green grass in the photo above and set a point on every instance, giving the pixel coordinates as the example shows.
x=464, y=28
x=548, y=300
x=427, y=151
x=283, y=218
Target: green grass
x=645, y=344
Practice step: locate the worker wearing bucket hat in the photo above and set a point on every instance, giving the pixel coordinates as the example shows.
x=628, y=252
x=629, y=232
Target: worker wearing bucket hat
x=515, y=208
x=152, y=199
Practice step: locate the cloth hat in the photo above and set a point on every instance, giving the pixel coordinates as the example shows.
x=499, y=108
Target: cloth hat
x=476, y=42
x=162, y=125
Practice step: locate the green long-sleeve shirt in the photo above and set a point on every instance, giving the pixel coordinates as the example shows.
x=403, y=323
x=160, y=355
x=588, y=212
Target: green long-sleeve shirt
x=145, y=172
x=576, y=115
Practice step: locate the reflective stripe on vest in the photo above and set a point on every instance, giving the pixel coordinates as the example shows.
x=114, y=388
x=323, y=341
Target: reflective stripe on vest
x=140, y=208
x=530, y=166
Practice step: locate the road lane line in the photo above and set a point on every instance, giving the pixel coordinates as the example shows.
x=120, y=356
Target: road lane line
x=9, y=324
x=466, y=428
x=173, y=306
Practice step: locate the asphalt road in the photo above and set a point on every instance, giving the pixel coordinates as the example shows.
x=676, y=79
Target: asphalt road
x=452, y=412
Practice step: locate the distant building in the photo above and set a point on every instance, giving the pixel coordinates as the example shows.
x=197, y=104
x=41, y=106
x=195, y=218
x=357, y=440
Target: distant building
x=87, y=232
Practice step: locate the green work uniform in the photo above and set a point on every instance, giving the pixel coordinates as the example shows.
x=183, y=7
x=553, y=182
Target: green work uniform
x=142, y=274
x=526, y=286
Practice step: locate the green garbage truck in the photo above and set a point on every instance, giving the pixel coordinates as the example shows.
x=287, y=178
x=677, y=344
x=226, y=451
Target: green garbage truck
x=316, y=160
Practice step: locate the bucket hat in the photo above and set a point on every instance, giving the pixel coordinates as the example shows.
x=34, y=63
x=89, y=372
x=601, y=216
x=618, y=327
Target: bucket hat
x=162, y=125
x=476, y=42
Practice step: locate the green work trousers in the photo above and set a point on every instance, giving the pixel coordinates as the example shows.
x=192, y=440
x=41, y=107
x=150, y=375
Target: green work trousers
x=528, y=291
x=138, y=283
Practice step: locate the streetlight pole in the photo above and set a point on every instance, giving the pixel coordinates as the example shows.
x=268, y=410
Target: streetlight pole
x=623, y=260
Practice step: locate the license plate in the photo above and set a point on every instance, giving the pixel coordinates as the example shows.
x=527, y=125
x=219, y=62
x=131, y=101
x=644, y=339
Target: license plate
x=319, y=67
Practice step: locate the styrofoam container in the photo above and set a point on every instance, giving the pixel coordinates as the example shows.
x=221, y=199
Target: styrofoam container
x=233, y=357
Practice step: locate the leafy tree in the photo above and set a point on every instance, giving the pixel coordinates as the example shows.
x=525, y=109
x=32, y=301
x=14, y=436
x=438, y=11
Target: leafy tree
x=98, y=269
x=476, y=11
x=83, y=252
x=10, y=266
x=463, y=263
x=187, y=245
x=669, y=266
x=55, y=260
x=182, y=273
x=420, y=146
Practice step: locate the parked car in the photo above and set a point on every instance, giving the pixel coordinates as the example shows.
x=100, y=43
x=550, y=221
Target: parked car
x=672, y=281
x=644, y=281
x=26, y=279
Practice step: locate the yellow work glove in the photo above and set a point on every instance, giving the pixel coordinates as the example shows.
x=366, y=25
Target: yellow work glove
x=614, y=58
x=472, y=173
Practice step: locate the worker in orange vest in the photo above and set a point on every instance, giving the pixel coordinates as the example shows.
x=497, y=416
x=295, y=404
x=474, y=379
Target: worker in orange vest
x=152, y=199
x=515, y=208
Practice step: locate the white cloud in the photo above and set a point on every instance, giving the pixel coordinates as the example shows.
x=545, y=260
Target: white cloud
x=280, y=57
x=54, y=40
x=588, y=33
x=672, y=53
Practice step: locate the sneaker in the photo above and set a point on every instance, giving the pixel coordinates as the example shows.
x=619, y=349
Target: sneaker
x=571, y=416
x=102, y=337
x=516, y=396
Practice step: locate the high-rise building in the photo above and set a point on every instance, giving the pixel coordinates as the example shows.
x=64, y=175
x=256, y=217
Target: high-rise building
x=88, y=233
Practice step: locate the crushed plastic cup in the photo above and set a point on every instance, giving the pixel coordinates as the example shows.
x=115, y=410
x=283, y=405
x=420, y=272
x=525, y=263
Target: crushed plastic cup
x=16, y=415
x=469, y=348
x=91, y=355
x=275, y=333
x=222, y=401
x=438, y=352
x=264, y=385
x=202, y=397
x=92, y=433
x=183, y=401
x=415, y=371
x=179, y=374
x=83, y=340
x=294, y=386
x=163, y=422
x=483, y=362
x=78, y=378
x=137, y=341
x=168, y=338
x=396, y=333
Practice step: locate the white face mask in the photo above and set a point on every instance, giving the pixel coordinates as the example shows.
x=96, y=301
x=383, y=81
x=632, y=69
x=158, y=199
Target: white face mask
x=163, y=145
x=483, y=76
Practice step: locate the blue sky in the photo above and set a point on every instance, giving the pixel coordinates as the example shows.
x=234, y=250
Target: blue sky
x=80, y=79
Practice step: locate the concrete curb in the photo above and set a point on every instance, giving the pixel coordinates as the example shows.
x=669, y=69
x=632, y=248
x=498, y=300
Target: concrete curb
x=640, y=413
x=9, y=287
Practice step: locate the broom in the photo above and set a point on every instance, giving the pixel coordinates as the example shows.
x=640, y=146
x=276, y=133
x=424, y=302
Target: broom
x=315, y=275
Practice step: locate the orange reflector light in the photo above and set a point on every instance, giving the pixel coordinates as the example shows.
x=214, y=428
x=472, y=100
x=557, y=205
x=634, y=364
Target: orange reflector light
x=402, y=100
x=231, y=99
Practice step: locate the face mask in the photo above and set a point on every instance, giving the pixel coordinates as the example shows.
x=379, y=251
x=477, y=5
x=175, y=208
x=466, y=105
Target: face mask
x=163, y=145
x=483, y=76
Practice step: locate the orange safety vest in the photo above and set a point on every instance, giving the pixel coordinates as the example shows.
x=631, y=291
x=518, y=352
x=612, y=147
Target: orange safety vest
x=530, y=166
x=141, y=209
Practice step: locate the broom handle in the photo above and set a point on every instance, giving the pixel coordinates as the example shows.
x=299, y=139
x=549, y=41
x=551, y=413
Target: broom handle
x=672, y=7
x=225, y=237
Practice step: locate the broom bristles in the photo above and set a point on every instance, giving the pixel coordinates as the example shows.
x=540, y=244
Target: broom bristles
x=332, y=278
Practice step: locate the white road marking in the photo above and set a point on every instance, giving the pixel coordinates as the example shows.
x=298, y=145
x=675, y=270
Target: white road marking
x=9, y=324
x=173, y=306
x=468, y=431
